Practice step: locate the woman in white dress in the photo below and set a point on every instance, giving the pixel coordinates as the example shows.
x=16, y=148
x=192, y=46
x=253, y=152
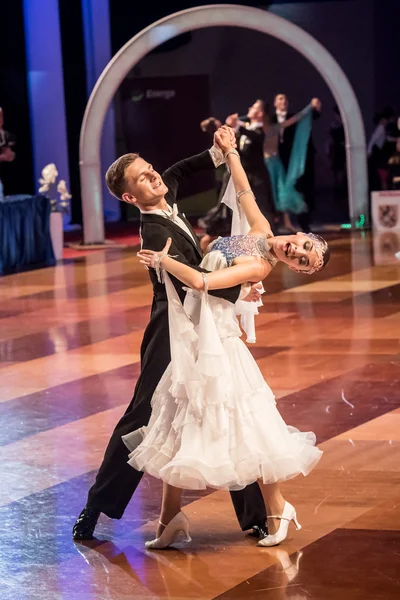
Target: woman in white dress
x=214, y=419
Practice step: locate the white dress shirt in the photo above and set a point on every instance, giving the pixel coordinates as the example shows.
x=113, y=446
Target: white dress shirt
x=171, y=214
x=281, y=116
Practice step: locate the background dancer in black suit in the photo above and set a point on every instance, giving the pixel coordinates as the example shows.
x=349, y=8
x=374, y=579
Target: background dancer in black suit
x=251, y=149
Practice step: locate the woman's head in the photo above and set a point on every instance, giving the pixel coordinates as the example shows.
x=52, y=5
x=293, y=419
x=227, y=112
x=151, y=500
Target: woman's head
x=302, y=252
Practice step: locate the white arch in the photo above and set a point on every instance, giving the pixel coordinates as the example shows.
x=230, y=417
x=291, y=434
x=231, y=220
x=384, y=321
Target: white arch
x=199, y=18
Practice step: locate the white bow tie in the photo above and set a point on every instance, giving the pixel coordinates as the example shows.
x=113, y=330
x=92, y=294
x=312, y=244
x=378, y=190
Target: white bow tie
x=173, y=213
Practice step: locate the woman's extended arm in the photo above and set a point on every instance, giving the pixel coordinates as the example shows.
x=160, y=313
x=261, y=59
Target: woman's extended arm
x=297, y=117
x=254, y=216
x=224, y=278
x=277, y=127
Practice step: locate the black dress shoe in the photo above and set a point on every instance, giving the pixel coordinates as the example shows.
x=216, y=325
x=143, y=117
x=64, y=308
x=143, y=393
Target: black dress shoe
x=259, y=531
x=85, y=524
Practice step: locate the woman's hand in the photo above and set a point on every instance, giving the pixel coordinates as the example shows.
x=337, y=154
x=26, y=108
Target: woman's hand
x=254, y=294
x=149, y=258
x=316, y=104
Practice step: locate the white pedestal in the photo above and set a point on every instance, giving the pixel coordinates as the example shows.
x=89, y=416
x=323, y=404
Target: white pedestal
x=57, y=234
x=385, y=209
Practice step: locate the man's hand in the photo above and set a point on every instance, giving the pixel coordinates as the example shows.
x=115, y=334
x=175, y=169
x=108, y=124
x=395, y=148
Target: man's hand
x=254, y=295
x=232, y=120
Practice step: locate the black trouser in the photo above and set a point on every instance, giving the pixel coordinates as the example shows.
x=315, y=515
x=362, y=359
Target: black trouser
x=261, y=188
x=116, y=481
x=249, y=506
x=306, y=185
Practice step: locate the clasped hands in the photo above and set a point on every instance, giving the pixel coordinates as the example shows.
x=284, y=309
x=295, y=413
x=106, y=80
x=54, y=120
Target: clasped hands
x=225, y=139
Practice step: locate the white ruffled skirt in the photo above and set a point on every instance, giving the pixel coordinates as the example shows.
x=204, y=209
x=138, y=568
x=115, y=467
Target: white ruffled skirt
x=214, y=419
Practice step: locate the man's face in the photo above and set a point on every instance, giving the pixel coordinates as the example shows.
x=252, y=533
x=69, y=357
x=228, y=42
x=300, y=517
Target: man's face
x=145, y=188
x=281, y=103
x=256, y=111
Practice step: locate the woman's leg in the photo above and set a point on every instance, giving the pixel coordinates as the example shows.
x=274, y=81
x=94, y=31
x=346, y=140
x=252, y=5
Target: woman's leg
x=274, y=503
x=170, y=506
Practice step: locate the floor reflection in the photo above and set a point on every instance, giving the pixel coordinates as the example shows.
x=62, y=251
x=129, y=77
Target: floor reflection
x=328, y=347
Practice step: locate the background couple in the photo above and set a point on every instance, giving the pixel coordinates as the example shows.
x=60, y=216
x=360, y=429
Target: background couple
x=246, y=419
x=277, y=154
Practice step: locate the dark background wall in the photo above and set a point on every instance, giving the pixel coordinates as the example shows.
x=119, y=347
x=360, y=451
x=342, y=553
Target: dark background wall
x=241, y=65
x=72, y=43
x=14, y=96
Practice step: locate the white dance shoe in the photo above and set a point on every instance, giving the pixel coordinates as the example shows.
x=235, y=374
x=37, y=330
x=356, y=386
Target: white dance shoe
x=288, y=515
x=173, y=531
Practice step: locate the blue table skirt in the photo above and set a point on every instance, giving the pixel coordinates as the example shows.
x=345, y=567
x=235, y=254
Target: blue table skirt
x=25, y=233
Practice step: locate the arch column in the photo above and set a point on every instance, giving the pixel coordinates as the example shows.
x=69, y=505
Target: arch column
x=200, y=18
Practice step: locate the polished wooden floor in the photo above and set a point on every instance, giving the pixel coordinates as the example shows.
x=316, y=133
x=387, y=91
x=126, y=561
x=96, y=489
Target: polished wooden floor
x=329, y=348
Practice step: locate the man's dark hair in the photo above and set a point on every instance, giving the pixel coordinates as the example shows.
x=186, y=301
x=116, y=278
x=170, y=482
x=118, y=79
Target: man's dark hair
x=264, y=106
x=115, y=176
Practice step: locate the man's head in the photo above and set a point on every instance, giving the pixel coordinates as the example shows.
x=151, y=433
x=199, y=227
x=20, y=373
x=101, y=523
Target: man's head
x=131, y=179
x=1, y=118
x=256, y=111
x=210, y=125
x=281, y=102
x=388, y=114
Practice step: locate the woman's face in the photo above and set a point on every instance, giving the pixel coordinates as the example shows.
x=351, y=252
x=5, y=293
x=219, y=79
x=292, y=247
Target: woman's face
x=297, y=251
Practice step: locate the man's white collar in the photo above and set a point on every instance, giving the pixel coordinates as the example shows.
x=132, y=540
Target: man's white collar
x=169, y=212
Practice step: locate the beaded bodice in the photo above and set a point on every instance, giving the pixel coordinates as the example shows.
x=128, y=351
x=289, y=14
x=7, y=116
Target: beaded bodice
x=243, y=245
